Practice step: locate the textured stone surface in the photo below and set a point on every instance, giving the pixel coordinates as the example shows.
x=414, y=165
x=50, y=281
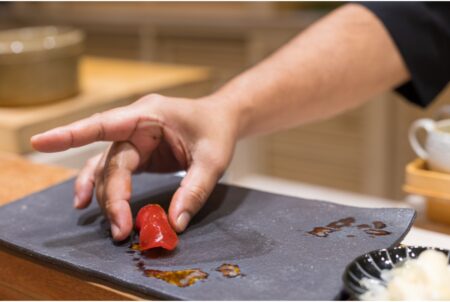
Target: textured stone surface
x=265, y=234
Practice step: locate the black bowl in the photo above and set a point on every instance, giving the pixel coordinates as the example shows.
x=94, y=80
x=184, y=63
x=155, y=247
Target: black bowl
x=370, y=265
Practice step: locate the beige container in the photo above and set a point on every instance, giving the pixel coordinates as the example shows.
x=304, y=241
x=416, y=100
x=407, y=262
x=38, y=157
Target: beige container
x=39, y=64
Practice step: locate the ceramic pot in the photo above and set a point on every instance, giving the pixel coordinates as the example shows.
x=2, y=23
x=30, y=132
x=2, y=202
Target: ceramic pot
x=39, y=64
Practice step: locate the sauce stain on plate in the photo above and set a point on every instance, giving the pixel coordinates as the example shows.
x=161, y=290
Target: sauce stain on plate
x=338, y=225
x=229, y=270
x=180, y=278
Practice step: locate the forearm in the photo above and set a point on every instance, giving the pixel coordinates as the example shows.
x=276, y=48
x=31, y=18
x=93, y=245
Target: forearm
x=336, y=64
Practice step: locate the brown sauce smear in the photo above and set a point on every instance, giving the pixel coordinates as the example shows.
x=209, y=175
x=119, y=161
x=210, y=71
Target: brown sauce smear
x=345, y=222
x=363, y=226
x=135, y=247
x=229, y=270
x=378, y=224
x=338, y=225
x=321, y=231
x=140, y=264
x=333, y=226
x=375, y=232
x=181, y=278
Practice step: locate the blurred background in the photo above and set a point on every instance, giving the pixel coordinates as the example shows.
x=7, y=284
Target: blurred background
x=202, y=45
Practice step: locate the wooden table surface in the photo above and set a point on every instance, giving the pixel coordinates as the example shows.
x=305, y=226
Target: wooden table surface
x=25, y=278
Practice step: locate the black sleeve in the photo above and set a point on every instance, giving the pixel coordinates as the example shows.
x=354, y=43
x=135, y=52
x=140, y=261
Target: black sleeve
x=421, y=32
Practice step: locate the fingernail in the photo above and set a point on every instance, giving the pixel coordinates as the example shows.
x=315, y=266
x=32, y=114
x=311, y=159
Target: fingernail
x=76, y=201
x=183, y=220
x=115, y=230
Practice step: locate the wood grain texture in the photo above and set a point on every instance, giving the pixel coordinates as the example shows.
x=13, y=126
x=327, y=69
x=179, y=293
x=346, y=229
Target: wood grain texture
x=22, y=278
x=19, y=177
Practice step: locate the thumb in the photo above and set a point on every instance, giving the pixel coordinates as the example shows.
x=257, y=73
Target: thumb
x=192, y=194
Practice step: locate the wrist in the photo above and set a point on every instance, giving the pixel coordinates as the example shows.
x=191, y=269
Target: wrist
x=234, y=101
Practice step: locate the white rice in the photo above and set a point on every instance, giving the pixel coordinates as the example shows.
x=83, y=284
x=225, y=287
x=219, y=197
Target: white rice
x=424, y=278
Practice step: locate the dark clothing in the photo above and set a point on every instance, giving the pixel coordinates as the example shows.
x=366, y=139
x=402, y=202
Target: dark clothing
x=421, y=32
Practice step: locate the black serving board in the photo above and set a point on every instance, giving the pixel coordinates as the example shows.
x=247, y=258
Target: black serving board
x=265, y=234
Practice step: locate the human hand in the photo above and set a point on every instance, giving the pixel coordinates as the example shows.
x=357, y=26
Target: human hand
x=154, y=134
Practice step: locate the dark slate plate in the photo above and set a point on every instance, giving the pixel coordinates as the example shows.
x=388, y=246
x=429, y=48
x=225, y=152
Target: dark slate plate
x=265, y=234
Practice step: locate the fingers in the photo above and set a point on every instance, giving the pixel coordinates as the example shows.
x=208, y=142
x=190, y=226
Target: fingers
x=123, y=159
x=113, y=125
x=85, y=182
x=99, y=175
x=192, y=194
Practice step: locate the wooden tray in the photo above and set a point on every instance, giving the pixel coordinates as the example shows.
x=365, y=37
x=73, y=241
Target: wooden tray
x=435, y=186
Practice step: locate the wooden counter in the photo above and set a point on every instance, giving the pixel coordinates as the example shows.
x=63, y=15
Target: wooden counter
x=22, y=278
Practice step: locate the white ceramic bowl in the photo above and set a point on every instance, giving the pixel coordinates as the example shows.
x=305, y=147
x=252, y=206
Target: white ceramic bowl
x=436, y=150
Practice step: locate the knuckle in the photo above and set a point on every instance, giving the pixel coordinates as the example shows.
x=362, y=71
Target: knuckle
x=198, y=194
x=84, y=179
x=78, y=183
x=110, y=169
x=217, y=165
x=154, y=97
x=108, y=206
x=97, y=116
x=98, y=173
x=98, y=195
x=150, y=98
x=92, y=162
x=98, y=119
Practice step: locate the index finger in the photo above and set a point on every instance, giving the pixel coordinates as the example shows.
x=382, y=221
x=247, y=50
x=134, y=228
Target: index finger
x=123, y=160
x=113, y=125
